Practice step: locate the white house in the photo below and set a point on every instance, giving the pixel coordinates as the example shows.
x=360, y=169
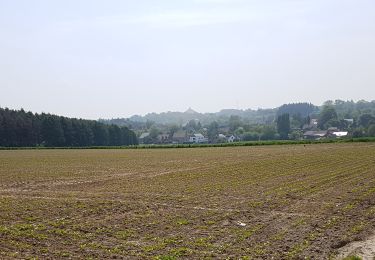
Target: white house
x=340, y=134
x=198, y=138
x=144, y=135
x=221, y=138
x=231, y=139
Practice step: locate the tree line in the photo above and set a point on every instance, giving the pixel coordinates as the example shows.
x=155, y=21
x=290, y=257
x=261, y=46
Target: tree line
x=356, y=118
x=26, y=129
x=298, y=109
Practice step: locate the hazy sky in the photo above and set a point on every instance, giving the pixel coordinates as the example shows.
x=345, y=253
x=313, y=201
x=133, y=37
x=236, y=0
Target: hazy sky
x=91, y=59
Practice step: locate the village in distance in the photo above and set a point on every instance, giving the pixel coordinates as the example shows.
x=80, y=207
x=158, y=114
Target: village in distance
x=297, y=121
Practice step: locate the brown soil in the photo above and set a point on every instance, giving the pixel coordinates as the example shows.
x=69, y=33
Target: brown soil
x=279, y=202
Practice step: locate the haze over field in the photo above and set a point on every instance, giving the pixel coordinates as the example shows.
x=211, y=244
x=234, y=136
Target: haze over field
x=104, y=59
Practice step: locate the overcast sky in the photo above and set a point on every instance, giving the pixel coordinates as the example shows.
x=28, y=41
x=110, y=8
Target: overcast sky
x=91, y=59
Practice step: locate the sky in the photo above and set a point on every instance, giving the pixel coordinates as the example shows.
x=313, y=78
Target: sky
x=116, y=58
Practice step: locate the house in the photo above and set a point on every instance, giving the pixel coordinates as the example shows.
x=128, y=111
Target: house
x=333, y=129
x=349, y=120
x=163, y=138
x=336, y=133
x=339, y=134
x=315, y=135
x=231, y=139
x=179, y=137
x=221, y=138
x=198, y=138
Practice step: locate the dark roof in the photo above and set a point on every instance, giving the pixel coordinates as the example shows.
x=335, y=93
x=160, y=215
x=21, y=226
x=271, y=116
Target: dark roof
x=315, y=133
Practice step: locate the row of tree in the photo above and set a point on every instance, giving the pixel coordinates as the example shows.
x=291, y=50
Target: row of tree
x=25, y=129
x=298, y=109
x=362, y=125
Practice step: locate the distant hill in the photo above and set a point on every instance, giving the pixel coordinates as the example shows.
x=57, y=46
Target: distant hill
x=259, y=116
x=347, y=109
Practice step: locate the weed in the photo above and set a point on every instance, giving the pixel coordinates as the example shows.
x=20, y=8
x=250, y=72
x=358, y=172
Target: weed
x=352, y=258
x=182, y=222
x=181, y=251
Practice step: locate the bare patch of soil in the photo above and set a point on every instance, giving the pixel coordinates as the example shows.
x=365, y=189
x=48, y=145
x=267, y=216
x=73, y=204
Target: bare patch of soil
x=364, y=249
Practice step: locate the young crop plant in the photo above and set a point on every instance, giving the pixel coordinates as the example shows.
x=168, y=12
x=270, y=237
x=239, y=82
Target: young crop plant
x=255, y=202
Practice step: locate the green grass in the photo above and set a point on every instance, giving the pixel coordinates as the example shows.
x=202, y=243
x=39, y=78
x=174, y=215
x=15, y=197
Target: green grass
x=352, y=258
x=234, y=144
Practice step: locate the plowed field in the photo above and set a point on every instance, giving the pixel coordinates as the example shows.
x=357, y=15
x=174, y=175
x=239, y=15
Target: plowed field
x=281, y=202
